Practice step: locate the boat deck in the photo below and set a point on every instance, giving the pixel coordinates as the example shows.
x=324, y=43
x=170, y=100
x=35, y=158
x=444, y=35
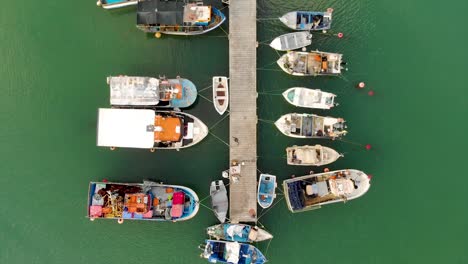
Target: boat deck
x=243, y=109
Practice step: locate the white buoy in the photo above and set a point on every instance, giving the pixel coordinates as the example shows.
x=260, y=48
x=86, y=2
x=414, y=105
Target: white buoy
x=98, y=3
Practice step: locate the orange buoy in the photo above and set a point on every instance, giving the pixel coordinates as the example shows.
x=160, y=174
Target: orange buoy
x=157, y=34
x=368, y=146
x=371, y=93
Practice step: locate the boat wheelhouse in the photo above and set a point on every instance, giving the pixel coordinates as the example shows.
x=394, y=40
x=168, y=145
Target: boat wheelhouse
x=308, y=20
x=133, y=91
x=311, y=155
x=292, y=41
x=238, y=232
x=148, y=129
x=177, y=17
x=314, y=63
x=311, y=126
x=309, y=98
x=148, y=201
x=232, y=252
x=312, y=191
x=112, y=4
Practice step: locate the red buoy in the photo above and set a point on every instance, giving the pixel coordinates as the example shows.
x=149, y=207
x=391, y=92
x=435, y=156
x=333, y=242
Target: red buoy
x=368, y=146
x=104, y=180
x=371, y=93
x=361, y=85
x=340, y=35
x=369, y=176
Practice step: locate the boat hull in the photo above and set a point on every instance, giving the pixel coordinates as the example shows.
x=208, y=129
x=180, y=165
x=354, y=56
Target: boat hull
x=116, y=4
x=219, y=200
x=292, y=41
x=304, y=20
x=299, y=198
x=266, y=190
x=314, y=63
x=311, y=155
x=310, y=126
x=309, y=98
x=220, y=94
x=232, y=252
x=238, y=232
x=118, y=208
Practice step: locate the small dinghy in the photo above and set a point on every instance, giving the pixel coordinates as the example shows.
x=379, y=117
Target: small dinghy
x=314, y=63
x=112, y=4
x=232, y=253
x=135, y=201
x=266, y=190
x=219, y=200
x=135, y=91
x=312, y=191
x=148, y=129
x=308, y=20
x=292, y=41
x=238, y=232
x=311, y=126
x=311, y=155
x=309, y=98
x=220, y=94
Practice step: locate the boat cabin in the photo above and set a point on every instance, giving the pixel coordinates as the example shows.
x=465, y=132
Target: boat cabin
x=314, y=126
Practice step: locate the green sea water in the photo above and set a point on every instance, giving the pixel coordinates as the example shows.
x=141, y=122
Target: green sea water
x=55, y=56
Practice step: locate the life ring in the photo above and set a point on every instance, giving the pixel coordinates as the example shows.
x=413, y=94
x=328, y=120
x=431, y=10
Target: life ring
x=152, y=150
x=120, y=221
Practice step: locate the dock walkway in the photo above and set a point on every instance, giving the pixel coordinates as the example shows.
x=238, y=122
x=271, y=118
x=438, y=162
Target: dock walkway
x=243, y=108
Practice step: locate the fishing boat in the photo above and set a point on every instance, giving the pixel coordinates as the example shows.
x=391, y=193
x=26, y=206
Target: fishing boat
x=311, y=126
x=238, y=232
x=312, y=191
x=133, y=91
x=309, y=98
x=177, y=17
x=148, y=129
x=311, y=155
x=219, y=200
x=314, y=63
x=112, y=4
x=266, y=190
x=308, y=20
x=292, y=41
x=232, y=252
x=135, y=201
x=220, y=94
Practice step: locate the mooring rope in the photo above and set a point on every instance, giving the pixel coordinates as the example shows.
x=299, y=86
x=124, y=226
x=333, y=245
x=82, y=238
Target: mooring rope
x=266, y=121
x=267, y=18
x=271, y=207
x=229, y=220
x=205, y=98
x=219, y=121
x=260, y=69
x=264, y=93
x=219, y=139
x=227, y=34
x=205, y=88
x=267, y=65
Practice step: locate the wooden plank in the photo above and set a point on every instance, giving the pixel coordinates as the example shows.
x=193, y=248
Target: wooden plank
x=243, y=108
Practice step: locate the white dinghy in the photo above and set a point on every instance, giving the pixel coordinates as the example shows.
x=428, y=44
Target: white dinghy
x=292, y=41
x=311, y=155
x=309, y=98
x=219, y=200
x=220, y=94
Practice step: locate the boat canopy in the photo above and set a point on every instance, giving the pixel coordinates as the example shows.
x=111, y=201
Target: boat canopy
x=231, y=253
x=131, y=128
x=156, y=12
x=133, y=90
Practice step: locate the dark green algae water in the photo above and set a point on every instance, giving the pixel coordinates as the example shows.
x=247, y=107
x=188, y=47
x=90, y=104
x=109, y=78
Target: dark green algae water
x=55, y=57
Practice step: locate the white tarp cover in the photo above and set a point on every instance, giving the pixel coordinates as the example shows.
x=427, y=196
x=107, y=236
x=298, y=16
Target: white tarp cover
x=126, y=128
x=232, y=252
x=133, y=90
x=341, y=186
x=234, y=230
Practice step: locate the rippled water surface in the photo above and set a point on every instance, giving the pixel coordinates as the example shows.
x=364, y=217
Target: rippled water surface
x=56, y=55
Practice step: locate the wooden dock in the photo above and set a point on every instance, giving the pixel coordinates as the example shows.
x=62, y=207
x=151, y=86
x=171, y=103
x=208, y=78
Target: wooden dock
x=243, y=108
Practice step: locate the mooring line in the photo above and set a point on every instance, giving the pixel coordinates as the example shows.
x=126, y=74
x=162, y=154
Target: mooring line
x=205, y=98
x=219, y=121
x=203, y=89
x=219, y=139
x=271, y=207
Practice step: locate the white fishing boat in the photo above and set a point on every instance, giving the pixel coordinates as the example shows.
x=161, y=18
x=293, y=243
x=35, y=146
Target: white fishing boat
x=292, y=41
x=312, y=191
x=308, y=20
x=314, y=63
x=148, y=129
x=309, y=98
x=311, y=126
x=112, y=4
x=136, y=91
x=220, y=94
x=219, y=200
x=266, y=190
x=238, y=232
x=311, y=155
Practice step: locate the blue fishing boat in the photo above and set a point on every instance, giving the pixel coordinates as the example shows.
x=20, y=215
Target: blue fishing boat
x=131, y=91
x=238, y=232
x=266, y=190
x=177, y=17
x=232, y=252
x=112, y=4
x=308, y=20
x=148, y=201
